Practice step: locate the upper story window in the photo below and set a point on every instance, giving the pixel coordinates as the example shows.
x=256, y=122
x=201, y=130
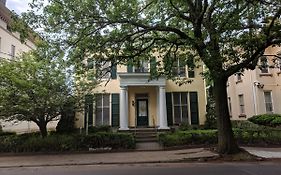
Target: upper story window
x=239, y=77
x=279, y=60
x=264, y=65
x=103, y=69
x=13, y=51
x=178, y=68
x=141, y=67
x=268, y=102
x=241, y=104
x=191, y=73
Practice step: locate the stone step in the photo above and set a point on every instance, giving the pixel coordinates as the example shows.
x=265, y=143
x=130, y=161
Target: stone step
x=152, y=139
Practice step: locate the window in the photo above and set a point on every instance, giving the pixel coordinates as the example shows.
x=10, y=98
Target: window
x=13, y=51
x=191, y=73
x=264, y=65
x=278, y=65
x=241, y=104
x=102, y=109
x=268, y=102
x=180, y=107
x=229, y=106
x=239, y=77
x=178, y=68
x=141, y=67
x=103, y=69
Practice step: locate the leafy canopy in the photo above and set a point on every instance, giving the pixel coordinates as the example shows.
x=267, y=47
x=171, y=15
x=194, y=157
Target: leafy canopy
x=33, y=87
x=226, y=35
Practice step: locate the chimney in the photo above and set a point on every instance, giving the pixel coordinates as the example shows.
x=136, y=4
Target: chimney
x=3, y=2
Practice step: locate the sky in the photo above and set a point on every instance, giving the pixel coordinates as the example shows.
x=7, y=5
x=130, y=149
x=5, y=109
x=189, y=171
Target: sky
x=18, y=6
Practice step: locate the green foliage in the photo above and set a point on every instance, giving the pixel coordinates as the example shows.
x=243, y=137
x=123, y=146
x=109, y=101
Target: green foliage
x=211, y=119
x=272, y=120
x=33, y=87
x=62, y=142
x=103, y=128
x=66, y=123
x=191, y=137
x=244, y=124
x=244, y=136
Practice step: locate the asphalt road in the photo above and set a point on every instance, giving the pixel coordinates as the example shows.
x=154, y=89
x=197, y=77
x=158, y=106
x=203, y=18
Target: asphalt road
x=259, y=168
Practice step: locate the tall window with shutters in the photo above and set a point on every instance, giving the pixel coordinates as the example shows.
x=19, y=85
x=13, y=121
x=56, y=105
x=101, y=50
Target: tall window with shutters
x=102, y=109
x=268, y=102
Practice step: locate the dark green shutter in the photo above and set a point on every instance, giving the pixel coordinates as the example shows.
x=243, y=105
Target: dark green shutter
x=169, y=107
x=194, y=108
x=115, y=110
x=129, y=68
x=89, y=110
x=113, y=72
x=153, y=66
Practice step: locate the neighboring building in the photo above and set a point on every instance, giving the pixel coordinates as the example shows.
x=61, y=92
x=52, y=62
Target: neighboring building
x=10, y=48
x=129, y=99
x=10, y=44
x=257, y=91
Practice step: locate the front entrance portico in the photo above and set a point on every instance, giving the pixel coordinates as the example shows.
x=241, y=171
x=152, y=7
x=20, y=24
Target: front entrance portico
x=141, y=80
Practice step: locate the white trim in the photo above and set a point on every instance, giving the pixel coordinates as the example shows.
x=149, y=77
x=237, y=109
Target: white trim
x=140, y=79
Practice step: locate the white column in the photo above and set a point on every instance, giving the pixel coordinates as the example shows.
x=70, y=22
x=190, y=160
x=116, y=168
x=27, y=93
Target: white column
x=163, y=123
x=123, y=108
x=158, y=108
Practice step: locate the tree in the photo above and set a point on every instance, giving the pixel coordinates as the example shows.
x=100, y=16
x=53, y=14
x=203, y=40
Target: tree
x=33, y=88
x=228, y=36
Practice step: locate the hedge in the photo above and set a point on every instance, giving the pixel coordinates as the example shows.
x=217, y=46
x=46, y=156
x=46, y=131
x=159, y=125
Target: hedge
x=61, y=143
x=272, y=120
x=209, y=137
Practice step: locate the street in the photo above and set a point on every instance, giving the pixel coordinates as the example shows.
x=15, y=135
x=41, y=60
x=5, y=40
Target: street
x=233, y=168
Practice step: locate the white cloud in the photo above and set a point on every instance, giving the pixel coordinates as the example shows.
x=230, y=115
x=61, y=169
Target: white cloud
x=18, y=6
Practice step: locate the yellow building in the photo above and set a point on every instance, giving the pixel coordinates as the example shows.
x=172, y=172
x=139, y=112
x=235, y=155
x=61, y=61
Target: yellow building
x=256, y=91
x=128, y=98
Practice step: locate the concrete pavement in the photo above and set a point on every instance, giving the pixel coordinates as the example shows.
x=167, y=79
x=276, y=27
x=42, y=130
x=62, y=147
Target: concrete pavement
x=133, y=157
x=265, y=152
x=105, y=158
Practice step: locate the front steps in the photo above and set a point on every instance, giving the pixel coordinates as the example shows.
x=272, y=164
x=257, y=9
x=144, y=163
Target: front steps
x=145, y=134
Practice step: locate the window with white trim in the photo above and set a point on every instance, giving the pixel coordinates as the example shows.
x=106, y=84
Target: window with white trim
x=268, y=102
x=241, y=104
x=103, y=69
x=180, y=107
x=102, y=109
x=179, y=68
x=141, y=67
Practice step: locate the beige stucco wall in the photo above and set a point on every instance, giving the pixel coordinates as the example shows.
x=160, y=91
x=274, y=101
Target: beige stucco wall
x=8, y=39
x=254, y=95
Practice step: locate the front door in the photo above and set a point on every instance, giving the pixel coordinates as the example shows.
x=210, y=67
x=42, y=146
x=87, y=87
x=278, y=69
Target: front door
x=142, y=112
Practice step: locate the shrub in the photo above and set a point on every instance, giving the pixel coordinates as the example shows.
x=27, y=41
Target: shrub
x=244, y=124
x=103, y=128
x=190, y=137
x=60, y=142
x=272, y=120
x=199, y=137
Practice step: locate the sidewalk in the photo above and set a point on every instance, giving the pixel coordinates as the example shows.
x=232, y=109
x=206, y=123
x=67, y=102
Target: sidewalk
x=265, y=152
x=105, y=158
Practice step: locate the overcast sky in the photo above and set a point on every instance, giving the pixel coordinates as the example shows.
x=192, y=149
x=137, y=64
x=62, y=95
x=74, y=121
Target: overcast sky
x=18, y=6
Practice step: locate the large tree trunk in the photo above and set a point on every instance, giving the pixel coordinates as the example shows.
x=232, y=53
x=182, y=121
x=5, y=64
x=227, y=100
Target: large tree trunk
x=226, y=141
x=43, y=129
